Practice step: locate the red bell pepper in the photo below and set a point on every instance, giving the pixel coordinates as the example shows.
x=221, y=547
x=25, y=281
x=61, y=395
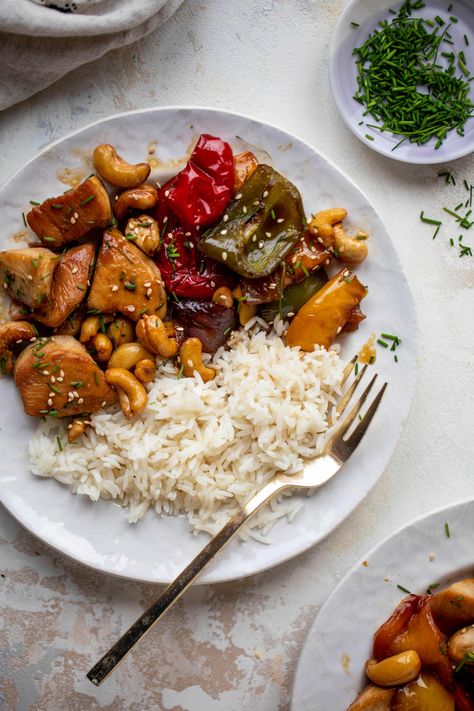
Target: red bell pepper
x=188, y=273
x=198, y=194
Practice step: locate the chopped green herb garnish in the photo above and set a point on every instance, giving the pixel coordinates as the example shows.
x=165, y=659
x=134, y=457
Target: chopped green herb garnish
x=429, y=220
x=57, y=206
x=400, y=587
x=130, y=286
x=54, y=388
x=47, y=238
x=382, y=343
x=34, y=202
x=369, y=137
x=447, y=531
x=81, y=287
x=86, y=200
x=60, y=446
x=24, y=219
x=96, y=378
x=77, y=383
x=355, y=24
x=180, y=372
x=467, y=659
x=101, y=324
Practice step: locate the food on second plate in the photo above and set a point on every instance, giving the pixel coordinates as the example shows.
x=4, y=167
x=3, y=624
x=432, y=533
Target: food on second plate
x=423, y=655
x=137, y=281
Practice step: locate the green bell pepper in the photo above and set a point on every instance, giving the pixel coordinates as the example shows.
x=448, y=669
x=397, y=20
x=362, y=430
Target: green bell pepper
x=261, y=225
x=294, y=297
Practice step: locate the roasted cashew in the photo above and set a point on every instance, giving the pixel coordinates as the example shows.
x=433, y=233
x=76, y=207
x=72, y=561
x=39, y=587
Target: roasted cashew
x=151, y=332
x=90, y=328
x=460, y=643
x=394, y=671
x=143, y=197
x=348, y=249
x=76, y=429
x=124, y=402
x=190, y=357
x=103, y=347
x=144, y=232
x=121, y=330
x=321, y=226
x=223, y=296
x=128, y=355
x=132, y=387
x=112, y=168
x=11, y=334
x=145, y=370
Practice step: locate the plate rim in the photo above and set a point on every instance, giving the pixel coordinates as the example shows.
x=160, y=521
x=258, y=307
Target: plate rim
x=373, y=145
x=211, y=578
x=358, y=566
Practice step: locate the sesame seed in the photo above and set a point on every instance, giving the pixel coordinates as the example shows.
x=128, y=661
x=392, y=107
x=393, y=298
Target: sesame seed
x=45, y=372
x=260, y=244
x=309, y=220
x=190, y=362
x=180, y=328
x=341, y=248
x=61, y=373
x=130, y=308
x=69, y=427
x=50, y=402
x=5, y=285
x=170, y=235
x=244, y=210
x=51, y=394
x=293, y=260
x=149, y=292
x=238, y=196
x=29, y=277
x=76, y=215
x=224, y=256
x=265, y=194
x=313, y=257
x=60, y=379
x=33, y=339
x=74, y=270
x=327, y=261
x=147, y=284
x=158, y=185
x=213, y=284
x=114, y=287
x=345, y=273
x=19, y=341
x=272, y=286
x=104, y=404
x=80, y=401
x=73, y=220
x=187, y=234
x=75, y=393
x=339, y=330
x=223, y=232
x=197, y=228
x=290, y=314
x=256, y=202
x=225, y=218
x=254, y=238
x=167, y=192
x=313, y=248
x=280, y=220
x=53, y=379
x=268, y=234
x=320, y=240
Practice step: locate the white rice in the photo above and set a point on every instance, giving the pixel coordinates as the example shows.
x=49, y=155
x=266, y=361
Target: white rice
x=202, y=449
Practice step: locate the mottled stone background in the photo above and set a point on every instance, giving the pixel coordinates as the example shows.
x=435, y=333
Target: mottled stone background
x=235, y=646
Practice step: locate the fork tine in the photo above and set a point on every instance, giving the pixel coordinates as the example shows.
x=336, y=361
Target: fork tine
x=342, y=429
x=350, y=391
x=348, y=369
x=361, y=428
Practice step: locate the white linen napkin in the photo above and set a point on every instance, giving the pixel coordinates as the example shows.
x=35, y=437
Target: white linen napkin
x=42, y=40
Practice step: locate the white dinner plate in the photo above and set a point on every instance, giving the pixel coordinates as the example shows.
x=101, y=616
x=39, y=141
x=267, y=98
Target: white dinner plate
x=156, y=549
x=343, y=75
x=330, y=670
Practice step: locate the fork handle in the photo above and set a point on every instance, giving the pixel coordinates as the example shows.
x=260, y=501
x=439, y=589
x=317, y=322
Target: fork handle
x=180, y=584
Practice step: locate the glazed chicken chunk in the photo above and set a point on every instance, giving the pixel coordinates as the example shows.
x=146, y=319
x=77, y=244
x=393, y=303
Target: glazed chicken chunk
x=126, y=280
x=28, y=274
x=57, y=376
x=68, y=217
x=69, y=285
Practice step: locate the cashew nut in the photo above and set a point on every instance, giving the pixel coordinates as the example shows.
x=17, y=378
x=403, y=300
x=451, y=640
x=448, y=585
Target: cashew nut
x=143, y=197
x=90, y=328
x=112, y=168
x=132, y=387
x=128, y=355
x=124, y=402
x=121, y=330
x=103, y=347
x=76, y=429
x=144, y=232
x=11, y=334
x=145, y=370
x=151, y=332
x=190, y=357
x=349, y=249
x=321, y=226
x=223, y=296
x=396, y=670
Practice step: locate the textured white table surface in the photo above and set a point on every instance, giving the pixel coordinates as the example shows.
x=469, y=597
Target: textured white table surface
x=235, y=646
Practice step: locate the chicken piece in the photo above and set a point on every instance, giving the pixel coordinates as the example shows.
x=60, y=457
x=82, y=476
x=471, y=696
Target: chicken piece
x=14, y=335
x=28, y=274
x=373, y=698
x=453, y=607
x=72, y=325
x=56, y=376
x=126, y=280
x=461, y=646
x=70, y=216
x=19, y=312
x=69, y=285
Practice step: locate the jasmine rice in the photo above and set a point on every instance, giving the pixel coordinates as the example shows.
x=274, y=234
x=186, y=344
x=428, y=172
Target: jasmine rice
x=201, y=449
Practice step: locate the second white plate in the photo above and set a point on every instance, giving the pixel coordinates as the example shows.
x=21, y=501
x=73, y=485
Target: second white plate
x=330, y=670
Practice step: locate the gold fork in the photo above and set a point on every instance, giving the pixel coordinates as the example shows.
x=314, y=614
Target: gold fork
x=335, y=452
